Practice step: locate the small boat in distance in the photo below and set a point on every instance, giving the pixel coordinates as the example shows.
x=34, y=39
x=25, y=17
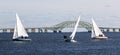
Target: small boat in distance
x=96, y=32
x=20, y=33
x=71, y=37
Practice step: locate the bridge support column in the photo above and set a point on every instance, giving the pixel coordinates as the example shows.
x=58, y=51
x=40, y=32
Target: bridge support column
x=114, y=30
x=11, y=30
x=119, y=30
x=60, y=31
x=33, y=30
x=45, y=30
x=41, y=30
x=108, y=30
x=27, y=30
x=4, y=30
x=102, y=30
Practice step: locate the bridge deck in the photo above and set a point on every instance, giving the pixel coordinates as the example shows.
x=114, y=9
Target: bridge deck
x=61, y=26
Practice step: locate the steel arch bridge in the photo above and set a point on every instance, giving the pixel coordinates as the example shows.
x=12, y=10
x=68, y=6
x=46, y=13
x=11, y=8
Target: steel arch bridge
x=59, y=27
x=71, y=24
x=54, y=28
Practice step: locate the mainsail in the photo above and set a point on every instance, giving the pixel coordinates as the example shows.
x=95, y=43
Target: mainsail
x=75, y=29
x=95, y=30
x=19, y=29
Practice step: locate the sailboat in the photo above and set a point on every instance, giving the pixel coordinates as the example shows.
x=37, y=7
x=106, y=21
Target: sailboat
x=96, y=32
x=20, y=33
x=71, y=37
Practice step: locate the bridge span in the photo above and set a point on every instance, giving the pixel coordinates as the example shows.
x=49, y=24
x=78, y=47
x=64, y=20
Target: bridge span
x=59, y=27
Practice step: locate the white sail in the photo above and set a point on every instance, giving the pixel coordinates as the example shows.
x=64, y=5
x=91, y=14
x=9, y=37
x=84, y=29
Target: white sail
x=96, y=31
x=15, y=35
x=75, y=29
x=20, y=28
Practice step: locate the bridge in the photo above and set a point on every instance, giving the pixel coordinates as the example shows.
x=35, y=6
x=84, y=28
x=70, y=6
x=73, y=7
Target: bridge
x=59, y=27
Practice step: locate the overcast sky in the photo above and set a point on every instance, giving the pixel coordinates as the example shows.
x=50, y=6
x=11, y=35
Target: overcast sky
x=37, y=13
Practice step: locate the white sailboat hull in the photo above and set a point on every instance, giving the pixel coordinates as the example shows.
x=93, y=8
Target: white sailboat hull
x=22, y=39
x=69, y=40
x=99, y=37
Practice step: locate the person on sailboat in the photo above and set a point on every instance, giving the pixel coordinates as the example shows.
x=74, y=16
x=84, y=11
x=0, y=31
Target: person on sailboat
x=26, y=37
x=96, y=32
x=66, y=38
x=22, y=37
x=100, y=35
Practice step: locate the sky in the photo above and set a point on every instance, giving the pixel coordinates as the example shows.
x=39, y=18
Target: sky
x=40, y=13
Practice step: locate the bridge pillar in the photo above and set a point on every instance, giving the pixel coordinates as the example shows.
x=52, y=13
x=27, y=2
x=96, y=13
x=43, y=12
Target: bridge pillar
x=107, y=30
x=45, y=30
x=27, y=30
x=60, y=31
x=119, y=30
x=33, y=30
x=38, y=30
x=114, y=30
x=4, y=30
x=11, y=30
x=102, y=30
x=41, y=30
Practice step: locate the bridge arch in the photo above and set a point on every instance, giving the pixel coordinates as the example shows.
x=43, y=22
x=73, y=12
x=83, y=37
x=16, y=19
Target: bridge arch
x=71, y=24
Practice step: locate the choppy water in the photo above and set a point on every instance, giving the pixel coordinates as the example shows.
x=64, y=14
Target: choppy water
x=53, y=44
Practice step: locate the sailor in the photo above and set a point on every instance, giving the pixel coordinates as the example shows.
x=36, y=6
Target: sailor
x=101, y=35
x=25, y=37
x=22, y=37
x=66, y=39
